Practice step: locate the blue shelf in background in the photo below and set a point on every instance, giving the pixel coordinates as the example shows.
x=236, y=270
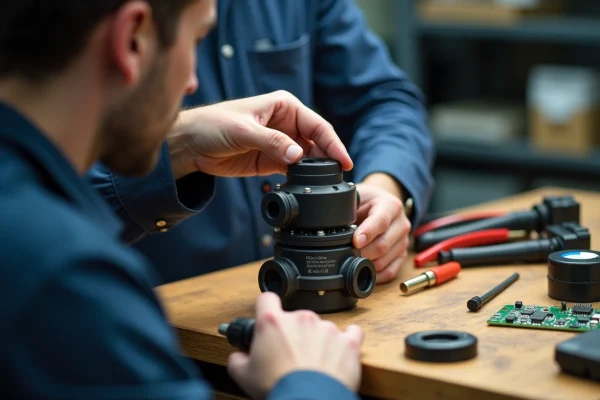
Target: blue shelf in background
x=565, y=29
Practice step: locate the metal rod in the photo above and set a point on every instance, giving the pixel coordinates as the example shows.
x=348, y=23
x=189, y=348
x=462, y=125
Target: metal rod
x=476, y=302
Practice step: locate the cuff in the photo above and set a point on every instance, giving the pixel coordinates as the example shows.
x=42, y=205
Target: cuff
x=157, y=202
x=310, y=385
x=416, y=181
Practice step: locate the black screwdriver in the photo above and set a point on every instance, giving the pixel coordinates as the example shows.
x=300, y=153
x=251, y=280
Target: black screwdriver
x=476, y=302
x=239, y=332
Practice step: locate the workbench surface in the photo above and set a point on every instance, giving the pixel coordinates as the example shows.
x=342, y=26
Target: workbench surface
x=512, y=363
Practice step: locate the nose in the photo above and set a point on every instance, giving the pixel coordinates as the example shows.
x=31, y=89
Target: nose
x=192, y=84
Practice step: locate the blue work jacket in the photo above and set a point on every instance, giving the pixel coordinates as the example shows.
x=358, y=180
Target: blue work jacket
x=80, y=319
x=321, y=51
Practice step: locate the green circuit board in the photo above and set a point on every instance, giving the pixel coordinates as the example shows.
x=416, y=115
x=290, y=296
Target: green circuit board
x=579, y=318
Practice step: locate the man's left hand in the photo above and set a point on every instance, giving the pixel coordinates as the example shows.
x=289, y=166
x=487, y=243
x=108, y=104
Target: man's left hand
x=383, y=230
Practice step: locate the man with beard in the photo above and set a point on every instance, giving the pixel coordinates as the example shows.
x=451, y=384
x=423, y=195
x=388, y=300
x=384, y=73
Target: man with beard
x=83, y=81
x=323, y=52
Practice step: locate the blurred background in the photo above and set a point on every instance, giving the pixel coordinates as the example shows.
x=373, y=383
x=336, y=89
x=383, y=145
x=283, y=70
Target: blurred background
x=513, y=90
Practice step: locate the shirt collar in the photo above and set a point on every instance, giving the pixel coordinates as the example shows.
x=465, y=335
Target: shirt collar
x=18, y=132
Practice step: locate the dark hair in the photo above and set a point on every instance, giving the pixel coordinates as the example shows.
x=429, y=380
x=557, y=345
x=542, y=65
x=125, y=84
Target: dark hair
x=39, y=37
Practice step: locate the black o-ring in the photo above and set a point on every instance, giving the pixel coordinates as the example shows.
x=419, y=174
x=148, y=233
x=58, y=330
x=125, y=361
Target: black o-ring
x=441, y=346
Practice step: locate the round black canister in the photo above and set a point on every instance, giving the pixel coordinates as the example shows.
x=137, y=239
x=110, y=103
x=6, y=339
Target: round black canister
x=574, y=275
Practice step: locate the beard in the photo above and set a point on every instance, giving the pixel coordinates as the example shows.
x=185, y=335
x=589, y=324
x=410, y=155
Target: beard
x=133, y=130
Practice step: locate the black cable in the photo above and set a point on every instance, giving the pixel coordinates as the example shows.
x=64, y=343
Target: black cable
x=522, y=220
x=476, y=302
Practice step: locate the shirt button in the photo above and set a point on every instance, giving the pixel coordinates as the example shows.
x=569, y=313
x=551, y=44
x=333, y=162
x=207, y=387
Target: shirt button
x=408, y=207
x=163, y=230
x=267, y=240
x=227, y=51
x=161, y=223
x=266, y=187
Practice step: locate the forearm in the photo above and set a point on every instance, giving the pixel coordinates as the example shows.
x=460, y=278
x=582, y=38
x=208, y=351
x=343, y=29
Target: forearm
x=374, y=105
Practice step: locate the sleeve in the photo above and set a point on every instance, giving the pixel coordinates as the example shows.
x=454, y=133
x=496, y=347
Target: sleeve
x=95, y=333
x=304, y=385
x=154, y=203
x=373, y=105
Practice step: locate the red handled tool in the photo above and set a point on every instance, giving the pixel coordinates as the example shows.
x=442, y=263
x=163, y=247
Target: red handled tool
x=479, y=238
x=435, y=276
x=453, y=220
x=552, y=211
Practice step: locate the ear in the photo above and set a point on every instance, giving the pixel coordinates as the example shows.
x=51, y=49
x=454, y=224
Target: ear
x=133, y=40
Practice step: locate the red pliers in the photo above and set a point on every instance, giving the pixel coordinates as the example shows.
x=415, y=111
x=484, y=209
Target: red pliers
x=477, y=238
x=456, y=219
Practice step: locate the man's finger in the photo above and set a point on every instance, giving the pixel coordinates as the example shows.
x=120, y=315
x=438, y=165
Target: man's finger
x=326, y=139
x=268, y=302
x=391, y=271
x=272, y=142
x=392, y=242
x=293, y=117
x=382, y=260
x=375, y=224
x=355, y=334
x=237, y=366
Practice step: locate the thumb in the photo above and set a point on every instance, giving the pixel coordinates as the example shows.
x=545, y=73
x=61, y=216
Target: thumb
x=237, y=366
x=273, y=143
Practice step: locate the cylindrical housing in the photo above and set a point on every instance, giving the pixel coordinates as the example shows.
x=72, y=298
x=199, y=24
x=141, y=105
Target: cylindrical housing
x=321, y=279
x=315, y=265
x=313, y=197
x=574, y=275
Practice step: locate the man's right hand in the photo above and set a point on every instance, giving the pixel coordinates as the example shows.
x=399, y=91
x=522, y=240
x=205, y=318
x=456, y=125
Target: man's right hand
x=285, y=342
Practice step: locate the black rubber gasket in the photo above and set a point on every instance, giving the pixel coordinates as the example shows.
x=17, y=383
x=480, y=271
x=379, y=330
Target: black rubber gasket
x=441, y=346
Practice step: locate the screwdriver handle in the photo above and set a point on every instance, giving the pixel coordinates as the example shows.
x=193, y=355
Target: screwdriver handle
x=445, y=272
x=239, y=332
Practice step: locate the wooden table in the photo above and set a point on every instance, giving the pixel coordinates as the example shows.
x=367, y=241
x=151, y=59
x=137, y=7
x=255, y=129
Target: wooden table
x=512, y=363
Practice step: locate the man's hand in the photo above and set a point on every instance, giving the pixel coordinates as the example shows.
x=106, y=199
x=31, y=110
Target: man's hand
x=285, y=342
x=260, y=135
x=382, y=234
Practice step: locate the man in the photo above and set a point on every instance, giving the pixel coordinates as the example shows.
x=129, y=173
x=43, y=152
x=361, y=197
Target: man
x=323, y=52
x=104, y=81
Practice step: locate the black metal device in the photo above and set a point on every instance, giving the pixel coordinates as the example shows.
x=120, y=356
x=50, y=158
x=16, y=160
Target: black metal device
x=580, y=356
x=315, y=266
x=556, y=237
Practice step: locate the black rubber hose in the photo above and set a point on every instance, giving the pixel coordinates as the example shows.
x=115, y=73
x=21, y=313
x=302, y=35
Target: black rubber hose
x=526, y=220
x=529, y=251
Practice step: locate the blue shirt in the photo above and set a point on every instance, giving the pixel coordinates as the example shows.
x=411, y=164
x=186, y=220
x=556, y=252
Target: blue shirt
x=79, y=318
x=321, y=51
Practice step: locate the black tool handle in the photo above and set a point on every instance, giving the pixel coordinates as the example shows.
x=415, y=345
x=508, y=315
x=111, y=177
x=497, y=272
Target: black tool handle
x=239, y=332
x=528, y=251
x=526, y=220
